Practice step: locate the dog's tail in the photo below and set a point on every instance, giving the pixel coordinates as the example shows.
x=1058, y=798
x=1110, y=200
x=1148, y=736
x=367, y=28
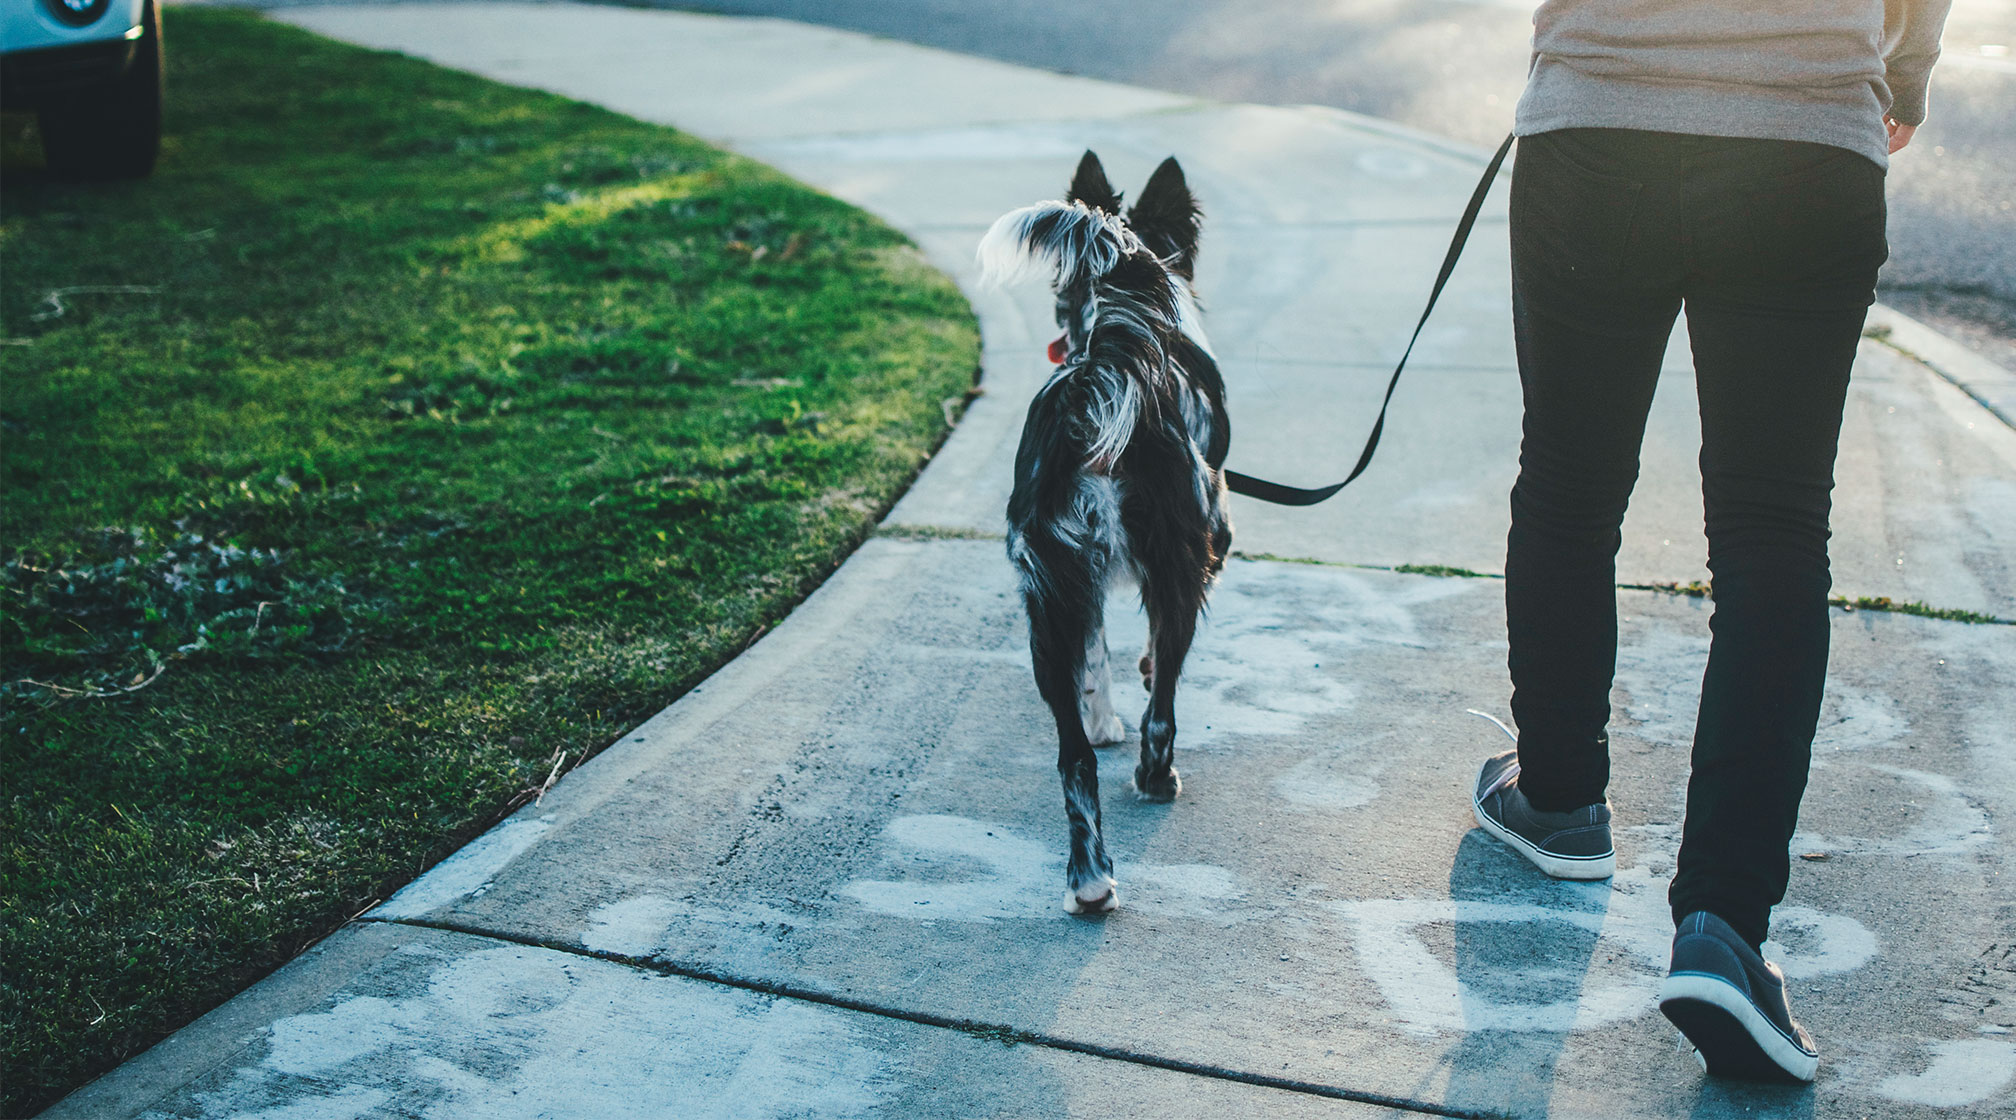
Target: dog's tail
x=1135, y=307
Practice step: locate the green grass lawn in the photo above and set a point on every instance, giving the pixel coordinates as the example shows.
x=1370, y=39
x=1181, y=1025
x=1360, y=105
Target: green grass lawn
x=404, y=436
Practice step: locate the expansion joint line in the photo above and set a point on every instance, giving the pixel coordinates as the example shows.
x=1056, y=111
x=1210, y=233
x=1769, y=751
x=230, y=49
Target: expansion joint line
x=994, y=1031
x=1692, y=590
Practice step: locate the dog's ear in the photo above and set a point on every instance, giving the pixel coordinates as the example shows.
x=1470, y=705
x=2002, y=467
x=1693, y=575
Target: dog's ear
x=1090, y=185
x=1167, y=218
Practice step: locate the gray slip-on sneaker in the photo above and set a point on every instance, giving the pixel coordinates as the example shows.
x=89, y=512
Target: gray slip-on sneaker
x=1570, y=845
x=1730, y=1003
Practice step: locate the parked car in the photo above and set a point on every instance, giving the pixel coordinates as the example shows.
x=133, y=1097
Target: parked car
x=91, y=72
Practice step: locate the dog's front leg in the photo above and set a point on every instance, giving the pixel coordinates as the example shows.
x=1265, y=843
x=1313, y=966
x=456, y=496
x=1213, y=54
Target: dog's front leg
x=1103, y=726
x=1173, y=602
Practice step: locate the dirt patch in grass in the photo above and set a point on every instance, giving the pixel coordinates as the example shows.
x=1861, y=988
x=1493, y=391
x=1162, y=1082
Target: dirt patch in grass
x=403, y=435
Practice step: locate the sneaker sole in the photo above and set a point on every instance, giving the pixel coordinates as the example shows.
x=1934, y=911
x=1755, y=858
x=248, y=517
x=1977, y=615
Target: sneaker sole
x=1732, y=1037
x=1560, y=867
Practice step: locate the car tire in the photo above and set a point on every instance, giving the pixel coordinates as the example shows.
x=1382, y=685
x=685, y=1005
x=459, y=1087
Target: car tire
x=114, y=132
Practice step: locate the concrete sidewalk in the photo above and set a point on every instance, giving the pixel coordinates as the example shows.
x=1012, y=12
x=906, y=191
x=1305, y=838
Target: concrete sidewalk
x=825, y=883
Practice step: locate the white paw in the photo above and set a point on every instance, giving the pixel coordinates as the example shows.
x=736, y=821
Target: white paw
x=1095, y=897
x=1105, y=733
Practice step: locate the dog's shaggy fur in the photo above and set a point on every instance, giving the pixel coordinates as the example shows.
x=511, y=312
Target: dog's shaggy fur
x=1119, y=474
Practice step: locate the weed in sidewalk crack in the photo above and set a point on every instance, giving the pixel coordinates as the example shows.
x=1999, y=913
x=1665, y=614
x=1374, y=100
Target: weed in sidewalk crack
x=933, y=533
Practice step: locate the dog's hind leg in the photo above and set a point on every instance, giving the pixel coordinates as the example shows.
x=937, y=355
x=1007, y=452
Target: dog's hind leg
x=1062, y=623
x=1169, y=532
x=1095, y=699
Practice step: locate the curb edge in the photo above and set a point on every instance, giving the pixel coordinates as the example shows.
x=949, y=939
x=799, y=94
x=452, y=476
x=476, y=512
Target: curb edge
x=1991, y=386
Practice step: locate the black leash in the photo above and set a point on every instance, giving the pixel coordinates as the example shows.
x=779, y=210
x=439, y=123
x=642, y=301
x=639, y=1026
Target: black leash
x=1295, y=496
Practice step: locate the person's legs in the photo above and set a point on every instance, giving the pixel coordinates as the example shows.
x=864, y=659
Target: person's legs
x=1787, y=239
x=1594, y=291
x=1772, y=388
x=1784, y=241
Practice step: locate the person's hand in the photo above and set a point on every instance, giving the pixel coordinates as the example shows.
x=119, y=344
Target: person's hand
x=1900, y=134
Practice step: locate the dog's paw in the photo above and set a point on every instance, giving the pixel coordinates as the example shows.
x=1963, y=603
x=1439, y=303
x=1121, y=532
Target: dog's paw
x=1163, y=788
x=1107, y=733
x=1095, y=897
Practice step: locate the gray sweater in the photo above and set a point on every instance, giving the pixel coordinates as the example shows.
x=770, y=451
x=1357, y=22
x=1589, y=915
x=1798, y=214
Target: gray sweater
x=1826, y=71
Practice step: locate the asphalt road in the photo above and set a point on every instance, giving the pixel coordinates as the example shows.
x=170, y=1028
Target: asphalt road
x=1455, y=67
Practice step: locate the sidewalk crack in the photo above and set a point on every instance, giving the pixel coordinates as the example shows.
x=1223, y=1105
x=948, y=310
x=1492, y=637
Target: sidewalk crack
x=1006, y=1035
x=1693, y=589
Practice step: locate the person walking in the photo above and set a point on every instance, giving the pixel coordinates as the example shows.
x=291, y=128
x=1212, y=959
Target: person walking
x=1727, y=158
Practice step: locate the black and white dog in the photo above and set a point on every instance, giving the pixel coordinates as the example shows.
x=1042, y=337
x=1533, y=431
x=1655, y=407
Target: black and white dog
x=1118, y=475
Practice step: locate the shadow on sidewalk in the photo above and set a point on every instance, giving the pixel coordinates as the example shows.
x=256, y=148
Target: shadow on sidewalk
x=1521, y=983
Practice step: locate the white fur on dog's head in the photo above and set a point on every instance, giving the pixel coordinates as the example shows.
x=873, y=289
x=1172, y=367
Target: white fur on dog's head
x=1076, y=240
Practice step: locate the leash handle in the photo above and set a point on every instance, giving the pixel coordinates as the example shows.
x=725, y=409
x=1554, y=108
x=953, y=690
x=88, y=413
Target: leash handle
x=1296, y=496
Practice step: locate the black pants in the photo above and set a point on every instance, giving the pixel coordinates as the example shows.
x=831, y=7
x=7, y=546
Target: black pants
x=1772, y=247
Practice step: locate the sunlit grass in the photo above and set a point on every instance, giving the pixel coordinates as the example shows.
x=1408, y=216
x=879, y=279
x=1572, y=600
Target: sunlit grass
x=458, y=429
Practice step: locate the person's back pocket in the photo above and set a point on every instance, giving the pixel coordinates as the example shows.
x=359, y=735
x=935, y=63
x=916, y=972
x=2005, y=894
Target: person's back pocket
x=1568, y=212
